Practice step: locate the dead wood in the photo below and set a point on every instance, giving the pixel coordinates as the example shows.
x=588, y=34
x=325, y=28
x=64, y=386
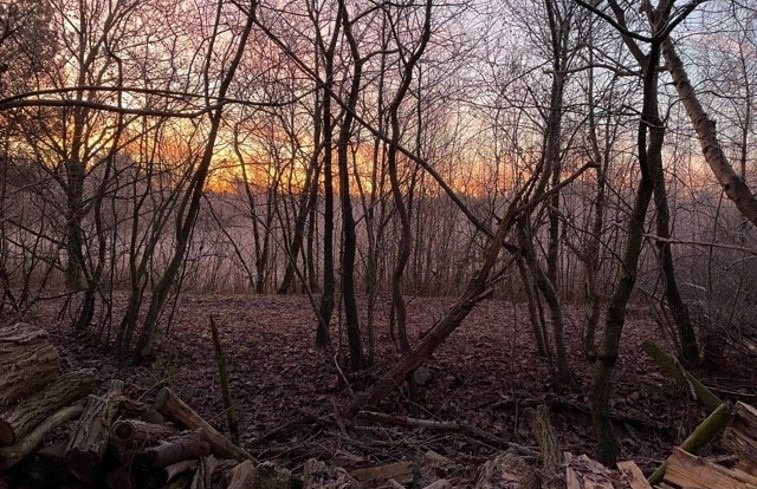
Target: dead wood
x=172, y=407
x=204, y=475
x=674, y=368
x=134, y=433
x=188, y=445
x=223, y=374
x=449, y=427
x=27, y=361
x=121, y=477
x=633, y=474
x=10, y=456
x=269, y=476
x=686, y=470
x=740, y=437
x=86, y=449
x=240, y=476
x=702, y=434
x=22, y=417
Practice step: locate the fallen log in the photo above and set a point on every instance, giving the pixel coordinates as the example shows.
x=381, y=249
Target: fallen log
x=673, y=367
x=188, y=445
x=703, y=433
x=121, y=477
x=86, y=449
x=22, y=417
x=172, y=407
x=27, y=361
x=12, y=455
x=633, y=474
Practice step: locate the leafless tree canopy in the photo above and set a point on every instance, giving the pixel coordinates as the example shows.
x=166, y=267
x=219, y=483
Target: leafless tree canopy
x=549, y=152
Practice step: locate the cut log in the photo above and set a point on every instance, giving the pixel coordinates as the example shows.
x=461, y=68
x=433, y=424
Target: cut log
x=10, y=456
x=584, y=473
x=172, y=407
x=133, y=433
x=89, y=441
x=46, y=469
x=634, y=475
x=686, y=470
x=401, y=472
x=27, y=361
x=673, y=367
x=240, y=476
x=740, y=437
x=188, y=445
x=703, y=433
x=22, y=417
x=160, y=477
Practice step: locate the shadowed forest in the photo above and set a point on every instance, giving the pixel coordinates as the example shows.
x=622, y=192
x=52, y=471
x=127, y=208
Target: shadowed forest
x=362, y=232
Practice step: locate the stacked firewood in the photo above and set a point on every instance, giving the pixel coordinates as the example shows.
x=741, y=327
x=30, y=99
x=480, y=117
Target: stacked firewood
x=110, y=439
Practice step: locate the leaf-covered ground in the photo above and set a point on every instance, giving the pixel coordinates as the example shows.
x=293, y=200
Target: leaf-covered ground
x=486, y=375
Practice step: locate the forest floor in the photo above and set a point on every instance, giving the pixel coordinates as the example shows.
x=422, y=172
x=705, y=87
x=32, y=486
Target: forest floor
x=487, y=375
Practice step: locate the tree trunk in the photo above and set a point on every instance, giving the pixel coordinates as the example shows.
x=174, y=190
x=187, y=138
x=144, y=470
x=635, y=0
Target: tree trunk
x=735, y=188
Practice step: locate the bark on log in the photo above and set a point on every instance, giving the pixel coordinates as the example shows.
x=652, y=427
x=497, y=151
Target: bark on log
x=10, y=456
x=87, y=446
x=671, y=365
x=162, y=476
x=703, y=433
x=185, y=446
x=240, y=476
x=22, y=417
x=401, y=472
x=172, y=407
x=27, y=361
x=133, y=433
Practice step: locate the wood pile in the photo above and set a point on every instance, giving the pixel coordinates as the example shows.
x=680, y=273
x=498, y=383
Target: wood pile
x=686, y=470
x=110, y=440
